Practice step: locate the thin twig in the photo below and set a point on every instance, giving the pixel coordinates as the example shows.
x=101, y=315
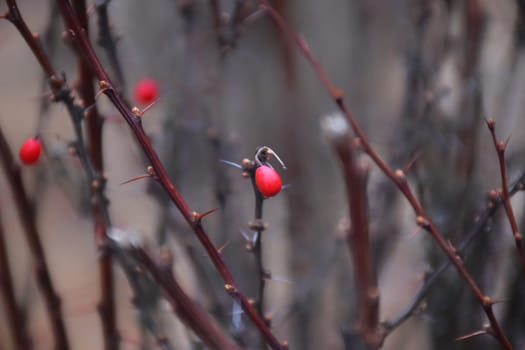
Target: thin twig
x=500, y=149
x=15, y=318
x=397, y=177
x=26, y=212
x=135, y=124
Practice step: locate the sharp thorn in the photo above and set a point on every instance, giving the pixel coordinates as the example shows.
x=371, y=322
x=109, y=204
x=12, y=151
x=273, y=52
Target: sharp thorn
x=140, y=177
x=230, y=163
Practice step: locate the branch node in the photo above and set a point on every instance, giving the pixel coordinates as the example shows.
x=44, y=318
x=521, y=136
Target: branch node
x=230, y=289
x=137, y=112
x=491, y=124
x=257, y=225
x=422, y=221
x=400, y=174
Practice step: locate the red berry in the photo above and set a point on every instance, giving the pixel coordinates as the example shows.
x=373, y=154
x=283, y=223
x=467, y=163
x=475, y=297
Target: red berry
x=146, y=91
x=267, y=180
x=30, y=151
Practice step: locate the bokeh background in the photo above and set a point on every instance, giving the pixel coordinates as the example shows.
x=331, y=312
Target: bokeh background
x=419, y=76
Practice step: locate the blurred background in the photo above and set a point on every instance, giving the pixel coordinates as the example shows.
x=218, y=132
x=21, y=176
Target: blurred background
x=419, y=76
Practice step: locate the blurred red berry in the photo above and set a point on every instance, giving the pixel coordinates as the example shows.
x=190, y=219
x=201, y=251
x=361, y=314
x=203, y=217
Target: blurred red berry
x=30, y=151
x=267, y=180
x=146, y=91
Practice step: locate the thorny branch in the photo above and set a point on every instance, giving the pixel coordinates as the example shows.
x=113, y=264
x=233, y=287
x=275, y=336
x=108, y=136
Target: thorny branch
x=397, y=177
x=135, y=123
x=500, y=149
x=470, y=236
x=62, y=93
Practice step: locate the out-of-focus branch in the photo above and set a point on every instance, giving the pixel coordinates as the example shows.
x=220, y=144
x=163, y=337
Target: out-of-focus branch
x=62, y=93
x=354, y=176
x=187, y=310
x=94, y=124
x=359, y=245
x=396, y=176
x=476, y=229
x=133, y=118
x=15, y=318
x=107, y=40
x=505, y=195
x=26, y=212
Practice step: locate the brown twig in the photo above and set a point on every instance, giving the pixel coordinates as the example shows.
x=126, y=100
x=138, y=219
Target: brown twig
x=505, y=195
x=94, y=124
x=359, y=245
x=15, y=318
x=26, y=212
x=397, y=177
x=135, y=124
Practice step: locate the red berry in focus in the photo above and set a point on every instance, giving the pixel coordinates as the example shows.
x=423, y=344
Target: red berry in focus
x=30, y=151
x=146, y=91
x=267, y=180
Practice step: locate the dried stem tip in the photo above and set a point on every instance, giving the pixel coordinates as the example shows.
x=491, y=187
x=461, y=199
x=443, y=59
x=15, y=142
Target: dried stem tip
x=491, y=123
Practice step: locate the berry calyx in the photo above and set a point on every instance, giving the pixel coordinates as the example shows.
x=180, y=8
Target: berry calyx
x=268, y=181
x=30, y=151
x=146, y=91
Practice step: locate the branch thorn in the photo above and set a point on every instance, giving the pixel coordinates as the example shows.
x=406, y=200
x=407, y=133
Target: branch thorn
x=136, y=178
x=233, y=164
x=197, y=217
x=221, y=248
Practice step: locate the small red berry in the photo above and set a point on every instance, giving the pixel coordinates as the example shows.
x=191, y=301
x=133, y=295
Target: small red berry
x=30, y=151
x=267, y=180
x=146, y=91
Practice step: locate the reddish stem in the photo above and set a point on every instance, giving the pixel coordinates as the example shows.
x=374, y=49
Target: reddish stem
x=505, y=194
x=397, y=177
x=135, y=124
x=359, y=246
